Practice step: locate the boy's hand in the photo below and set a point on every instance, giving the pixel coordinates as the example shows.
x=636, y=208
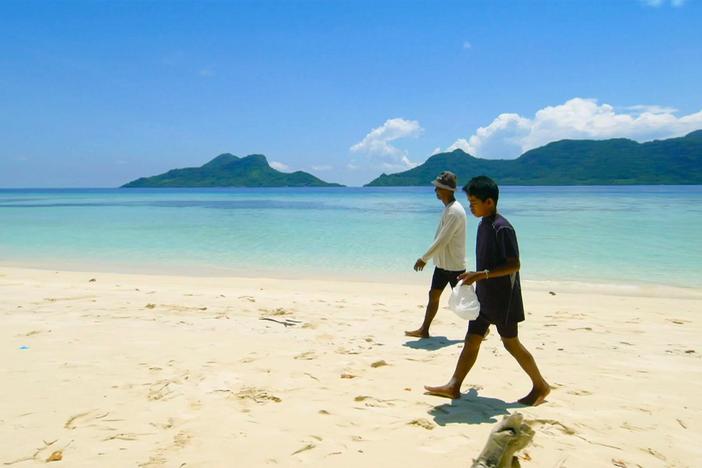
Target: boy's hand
x=470, y=277
x=419, y=265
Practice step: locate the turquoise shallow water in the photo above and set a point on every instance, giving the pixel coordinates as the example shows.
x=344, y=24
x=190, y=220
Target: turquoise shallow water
x=602, y=234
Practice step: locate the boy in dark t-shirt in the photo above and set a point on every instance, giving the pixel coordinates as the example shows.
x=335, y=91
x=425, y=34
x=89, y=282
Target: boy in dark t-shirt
x=498, y=290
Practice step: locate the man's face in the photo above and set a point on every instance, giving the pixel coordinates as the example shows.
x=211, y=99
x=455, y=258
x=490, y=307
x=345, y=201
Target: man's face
x=441, y=194
x=480, y=208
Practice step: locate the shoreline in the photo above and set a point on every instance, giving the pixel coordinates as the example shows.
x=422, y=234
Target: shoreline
x=638, y=288
x=144, y=370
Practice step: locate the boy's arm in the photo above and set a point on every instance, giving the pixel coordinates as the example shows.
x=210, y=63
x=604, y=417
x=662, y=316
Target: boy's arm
x=509, y=250
x=510, y=266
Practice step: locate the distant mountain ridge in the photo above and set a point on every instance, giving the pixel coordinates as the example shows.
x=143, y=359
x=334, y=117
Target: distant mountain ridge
x=227, y=170
x=619, y=161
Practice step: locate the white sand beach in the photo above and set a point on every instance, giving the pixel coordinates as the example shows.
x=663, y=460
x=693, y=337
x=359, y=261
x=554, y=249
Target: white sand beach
x=118, y=370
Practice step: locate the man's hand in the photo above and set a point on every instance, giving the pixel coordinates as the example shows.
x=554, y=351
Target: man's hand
x=419, y=265
x=470, y=277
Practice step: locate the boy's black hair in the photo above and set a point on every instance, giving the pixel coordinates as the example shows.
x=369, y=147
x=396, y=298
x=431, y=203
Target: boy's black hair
x=482, y=188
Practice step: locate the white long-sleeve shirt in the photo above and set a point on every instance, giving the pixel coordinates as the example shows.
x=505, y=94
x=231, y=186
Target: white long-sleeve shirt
x=449, y=247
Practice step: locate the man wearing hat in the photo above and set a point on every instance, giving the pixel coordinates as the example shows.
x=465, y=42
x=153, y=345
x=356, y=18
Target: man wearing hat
x=448, y=250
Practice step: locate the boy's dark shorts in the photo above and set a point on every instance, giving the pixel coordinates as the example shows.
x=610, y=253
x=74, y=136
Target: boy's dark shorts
x=480, y=326
x=443, y=277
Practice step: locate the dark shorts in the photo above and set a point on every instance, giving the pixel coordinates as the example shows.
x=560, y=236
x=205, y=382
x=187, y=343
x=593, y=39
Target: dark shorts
x=443, y=277
x=480, y=326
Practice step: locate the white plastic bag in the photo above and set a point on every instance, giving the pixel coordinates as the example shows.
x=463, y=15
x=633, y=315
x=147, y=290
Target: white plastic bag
x=464, y=302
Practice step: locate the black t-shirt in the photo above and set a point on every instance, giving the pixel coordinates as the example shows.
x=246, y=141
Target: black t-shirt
x=500, y=298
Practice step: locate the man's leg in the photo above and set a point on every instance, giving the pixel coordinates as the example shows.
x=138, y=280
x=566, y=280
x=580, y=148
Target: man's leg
x=540, y=388
x=429, y=314
x=465, y=362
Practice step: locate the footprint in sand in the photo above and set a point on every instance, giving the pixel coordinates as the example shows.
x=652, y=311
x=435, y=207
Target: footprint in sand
x=74, y=298
x=126, y=436
x=161, y=390
x=181, y=439
x=49, y=452
x=678, y=321
x=421, y=422
x=158, y=459
x=83, y=418
x=275, y=312
x=167, y=425
x=304, y=449
x=306, y=356
x=34, y=332
x=655, y=453
x=257, y=395
x=373, y=402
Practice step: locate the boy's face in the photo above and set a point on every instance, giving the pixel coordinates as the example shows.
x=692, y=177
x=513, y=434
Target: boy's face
x=481, y=208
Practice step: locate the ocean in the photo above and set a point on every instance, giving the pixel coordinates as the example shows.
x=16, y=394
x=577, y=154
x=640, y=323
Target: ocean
x=612, y=234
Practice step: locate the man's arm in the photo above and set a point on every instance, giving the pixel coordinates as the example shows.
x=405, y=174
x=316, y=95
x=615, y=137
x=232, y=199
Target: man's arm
x=442, y=238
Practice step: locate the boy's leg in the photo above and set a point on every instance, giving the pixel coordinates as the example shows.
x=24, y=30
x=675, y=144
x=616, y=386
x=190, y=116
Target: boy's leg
x=465, y=362
x=429, y=314
x=540, y=388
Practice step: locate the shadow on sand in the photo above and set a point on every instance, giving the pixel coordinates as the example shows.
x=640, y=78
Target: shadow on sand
x=431, y=344
x=471, y=409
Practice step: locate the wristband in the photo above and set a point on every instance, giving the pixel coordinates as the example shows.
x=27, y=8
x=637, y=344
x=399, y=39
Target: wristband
x=487, y=273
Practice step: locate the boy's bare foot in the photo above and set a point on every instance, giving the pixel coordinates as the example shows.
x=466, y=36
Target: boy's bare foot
x=419, y=333
x=446, y=391
x=536, y=396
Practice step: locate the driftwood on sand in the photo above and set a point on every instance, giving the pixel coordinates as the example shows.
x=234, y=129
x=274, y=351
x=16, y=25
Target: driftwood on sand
x=507, y=437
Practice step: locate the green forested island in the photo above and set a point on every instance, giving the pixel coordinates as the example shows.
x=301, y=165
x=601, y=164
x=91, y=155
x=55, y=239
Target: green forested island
x=676, y=161
x=227, y=170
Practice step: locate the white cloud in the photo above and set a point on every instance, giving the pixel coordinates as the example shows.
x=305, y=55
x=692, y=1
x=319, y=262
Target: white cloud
x=323, y=167
x=207, y=72
x=377, y=144
x=509, y=135
x=653, y=109
x=436, y=150
x=467, y=45
x=279, y=166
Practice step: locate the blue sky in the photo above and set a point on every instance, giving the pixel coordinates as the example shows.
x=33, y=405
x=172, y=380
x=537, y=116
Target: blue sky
x=94, y=94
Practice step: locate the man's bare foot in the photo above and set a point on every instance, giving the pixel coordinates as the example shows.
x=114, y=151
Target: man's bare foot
x=446, y=391
x=419, y=333
x=536, y=396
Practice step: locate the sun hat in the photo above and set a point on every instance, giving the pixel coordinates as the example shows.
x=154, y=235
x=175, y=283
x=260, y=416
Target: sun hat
x=446, y=180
